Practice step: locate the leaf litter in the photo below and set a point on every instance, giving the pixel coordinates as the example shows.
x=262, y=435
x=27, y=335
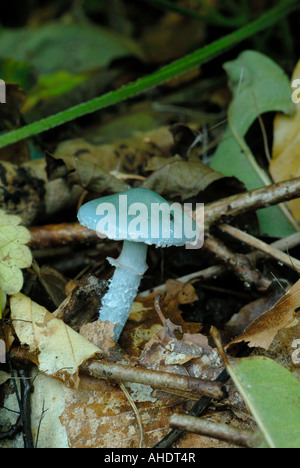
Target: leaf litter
x=165, y=333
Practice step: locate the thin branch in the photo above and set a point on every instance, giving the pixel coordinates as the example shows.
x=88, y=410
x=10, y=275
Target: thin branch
x=207, y=273
x=26, y=403
x=40, y=423
x=228, y=208
x=57, y=235
x=13, y=431
x=287, y=243
x=210, y=429
x=260, y=245
x=197, y=410
x=218, y=270
x=238, y=263
x=23, y=402
x=164, y=381
x=135, y=410
x=186, y=386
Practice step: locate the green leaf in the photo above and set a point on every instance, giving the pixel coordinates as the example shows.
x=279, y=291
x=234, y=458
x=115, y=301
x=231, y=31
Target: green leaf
x=52, y=86
x=71, y=47
x=190, y=62
x=12, y=71
x=259, y=85
x=14, y=255
x=272, y=394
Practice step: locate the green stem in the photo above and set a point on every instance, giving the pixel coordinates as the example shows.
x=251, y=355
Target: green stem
x=183, y=65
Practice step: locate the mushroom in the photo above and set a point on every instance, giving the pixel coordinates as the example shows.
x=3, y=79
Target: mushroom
x=140, y=218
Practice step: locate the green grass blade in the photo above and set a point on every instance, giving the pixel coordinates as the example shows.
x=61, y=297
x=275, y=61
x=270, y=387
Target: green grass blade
x=159, y=77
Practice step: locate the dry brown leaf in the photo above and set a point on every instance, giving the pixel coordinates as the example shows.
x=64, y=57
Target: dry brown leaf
x=179, y=293
x=127, y=156
x=282, y=348
x=83, y=302
x=240, y=321
x=285, y=158
x=54, y=283
x=55, y=348
x=170, y=350
x=144, y=322
x=175, y=177
x=190, y=355
x=163, y=351
x=98, y=415
x=86, y=174
x=264, y=329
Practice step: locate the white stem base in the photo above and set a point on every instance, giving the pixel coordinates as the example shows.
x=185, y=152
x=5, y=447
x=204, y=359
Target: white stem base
x=123, y=288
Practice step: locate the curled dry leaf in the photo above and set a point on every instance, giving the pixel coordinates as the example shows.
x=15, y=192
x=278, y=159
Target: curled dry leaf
x=262, y=331
x=55, y=348
x=179, y=293
x=175, y=177
x=192, y=354
x=86, y=174
x=184, y=175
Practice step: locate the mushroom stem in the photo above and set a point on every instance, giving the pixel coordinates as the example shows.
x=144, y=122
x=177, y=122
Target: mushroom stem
x=130, y=267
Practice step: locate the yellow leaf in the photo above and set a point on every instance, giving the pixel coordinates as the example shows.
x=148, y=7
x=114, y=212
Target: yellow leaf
x=285, y=164
x=55, y=348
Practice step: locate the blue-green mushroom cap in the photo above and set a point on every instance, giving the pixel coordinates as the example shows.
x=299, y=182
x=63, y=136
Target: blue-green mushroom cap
x=139, y=215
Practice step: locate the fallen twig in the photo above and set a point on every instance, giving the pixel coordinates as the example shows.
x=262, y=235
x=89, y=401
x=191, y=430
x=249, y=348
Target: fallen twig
x=238, y=263
x=215, y=271
x=13, y=431
x=228, y=208
x=260, y=245
x=197, y=410
x=23, y=402
x=170, y=383
x=210, y=429
x=57, y=235
x=26, y=403
x=182, y=385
